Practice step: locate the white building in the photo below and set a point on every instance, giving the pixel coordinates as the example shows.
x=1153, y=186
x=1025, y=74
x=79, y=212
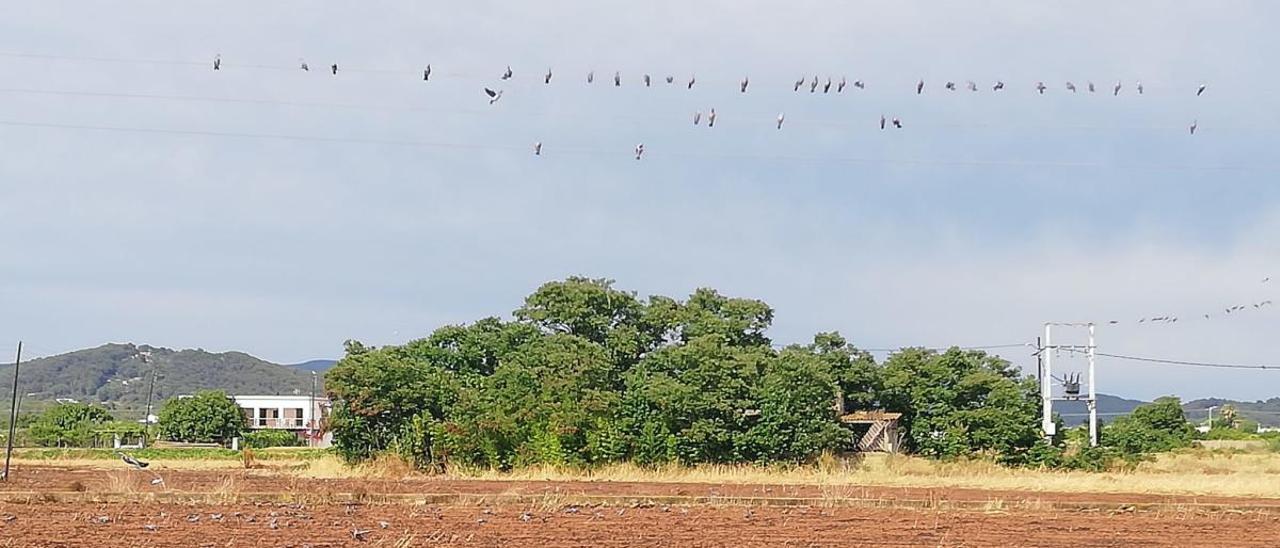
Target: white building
x=302, y=415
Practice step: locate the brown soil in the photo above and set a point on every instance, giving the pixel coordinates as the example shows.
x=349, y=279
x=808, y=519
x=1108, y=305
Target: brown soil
x=55, y=507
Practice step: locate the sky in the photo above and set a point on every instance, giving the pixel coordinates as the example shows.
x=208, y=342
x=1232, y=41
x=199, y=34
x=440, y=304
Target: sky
x=143, y=199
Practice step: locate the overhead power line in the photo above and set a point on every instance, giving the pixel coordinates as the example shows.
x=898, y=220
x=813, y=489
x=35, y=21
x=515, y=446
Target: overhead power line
x=1190, y=363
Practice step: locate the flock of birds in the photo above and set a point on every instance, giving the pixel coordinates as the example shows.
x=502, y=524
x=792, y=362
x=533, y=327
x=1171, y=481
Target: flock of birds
x=494, y=93
x=1226, y=312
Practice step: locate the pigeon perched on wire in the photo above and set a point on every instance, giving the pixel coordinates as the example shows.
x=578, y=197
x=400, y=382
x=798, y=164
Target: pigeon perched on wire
x=813, y=86
x=826, y=88
x=919, y=87
x=1200, y=90
x=546, y=79
x=1071, y=87
x=1195, y=124
x=951, y=86
x=617, y=79
x=591, y=77
x=711, y=118
x=1140, y=88
x=217, y=62
x=537, y=148
x=859, y=84
x=647, y=81
x=742, y=88
x=973, y=86
x=882, y=121
x=799, y=82
x=1040, y=87
x=692, y=80
x=639, y=150
x=426, y=74
x=999, y=86
x=1091, y=88
x=1115, y=90
x=697, y=117
x=334, y=68
x=493, y=95
x=131, y=461
x=840, y=87
x=304, y=66
x=507, y=74
x=671, y=79
x=781, y=117
x=897, y=123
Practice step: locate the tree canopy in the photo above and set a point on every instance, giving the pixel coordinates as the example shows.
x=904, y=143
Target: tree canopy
x=208, y=416
x=586, y=373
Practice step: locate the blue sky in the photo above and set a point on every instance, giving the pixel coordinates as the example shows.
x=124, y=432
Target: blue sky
x=986, y=216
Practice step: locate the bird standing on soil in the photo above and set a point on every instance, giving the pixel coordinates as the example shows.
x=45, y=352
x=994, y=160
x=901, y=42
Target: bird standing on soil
x=128, y=459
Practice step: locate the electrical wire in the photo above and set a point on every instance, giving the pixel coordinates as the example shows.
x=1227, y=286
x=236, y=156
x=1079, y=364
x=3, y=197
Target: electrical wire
x=648, y=151
x=1189, y=363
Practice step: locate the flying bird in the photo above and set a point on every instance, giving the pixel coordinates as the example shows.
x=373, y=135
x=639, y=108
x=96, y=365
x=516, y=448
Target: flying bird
x=1194, y=124
x=781, y=117
x=692, y=80
x=639, y=150
x=999, y=86
x=217, y=62
x=1200, y=91
x=547, y=78
x=1071, y=87
x=951, y=86
x=1267, y=279
x=671, y=79
x=897, y=123
x=881, y=121
x=507, y=75
x=1040, y=87
x=859, y=84
x=304, y=65
x=799, y=83
x=697, y=117
x=647, y=80
x=128, y=459
x=813, y=86
x=840, y=87
x=1091, y=88
x=426, y=74
x=742, y=88
x=711, y=118
x=919, y=87
x=826, y=88
x=973, y=86
x=1116, y=89
x=334, y=68
x=493, y=95
x=617, y=79
x=537, y=148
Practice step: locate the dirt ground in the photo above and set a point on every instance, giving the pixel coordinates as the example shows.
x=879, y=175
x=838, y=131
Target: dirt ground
x=45, y=507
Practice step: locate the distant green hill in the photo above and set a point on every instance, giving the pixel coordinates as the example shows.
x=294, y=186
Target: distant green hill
x=319, y=366
x=117, y=376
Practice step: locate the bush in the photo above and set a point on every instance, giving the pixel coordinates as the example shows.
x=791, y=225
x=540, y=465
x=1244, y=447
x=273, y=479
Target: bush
x=262, y=439
x=1153, y=428
x=207, y=417
x=72, y=424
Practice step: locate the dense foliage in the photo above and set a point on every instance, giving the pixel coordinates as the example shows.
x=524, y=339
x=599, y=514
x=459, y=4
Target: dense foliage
x=71, y=424
x=262, y=439
x=587, y=374
x=208, y=416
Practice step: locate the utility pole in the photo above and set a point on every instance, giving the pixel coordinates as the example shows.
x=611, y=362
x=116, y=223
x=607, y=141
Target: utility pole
x=13, y=415
x=311, y=411
x=1071, y=384
x=146, y=420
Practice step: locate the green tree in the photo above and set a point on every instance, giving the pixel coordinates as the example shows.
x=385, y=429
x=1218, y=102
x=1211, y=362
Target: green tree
x=796, y=416
x=70, y=424
x=1155, y=427
x=962, y=403
x=208, y=416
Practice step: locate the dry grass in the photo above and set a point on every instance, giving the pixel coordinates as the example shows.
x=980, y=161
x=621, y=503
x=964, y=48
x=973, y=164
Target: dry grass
x=126, y=482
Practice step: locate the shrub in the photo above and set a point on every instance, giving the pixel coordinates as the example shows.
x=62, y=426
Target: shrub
x=71, y=424
x=262, y=439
